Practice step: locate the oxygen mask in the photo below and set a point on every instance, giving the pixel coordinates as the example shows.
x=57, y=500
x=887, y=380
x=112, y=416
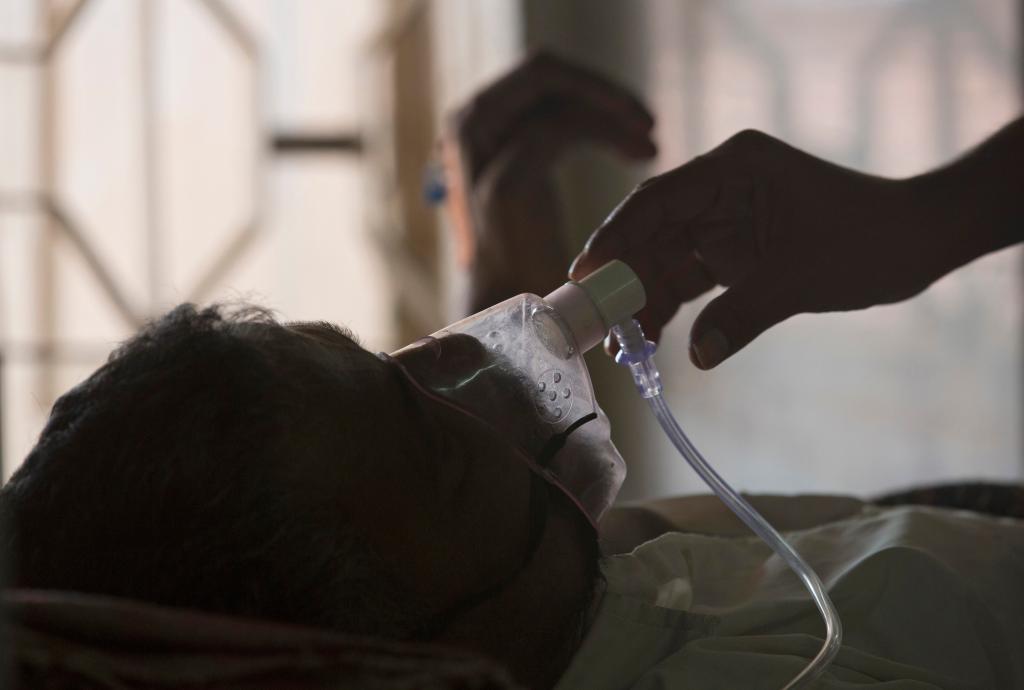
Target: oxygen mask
x=518, y=367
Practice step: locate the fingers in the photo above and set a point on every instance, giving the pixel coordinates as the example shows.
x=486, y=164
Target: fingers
x=730, y=179
x=729, y=322
x=545, y=83
x=666, y=293
x=702, y=224
x=672, y=290
x=726, y=238
x=668, y=284
x=649, y=237
x=715, y=220
x=663, y=207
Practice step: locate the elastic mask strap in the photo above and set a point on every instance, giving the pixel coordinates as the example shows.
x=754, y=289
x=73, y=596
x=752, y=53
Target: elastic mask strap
x=557, y=442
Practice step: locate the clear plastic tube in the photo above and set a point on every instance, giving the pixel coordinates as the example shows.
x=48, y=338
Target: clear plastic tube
x=637, y=353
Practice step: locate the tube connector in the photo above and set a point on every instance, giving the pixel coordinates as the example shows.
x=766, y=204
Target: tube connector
x=596, y=303
x=636, y=352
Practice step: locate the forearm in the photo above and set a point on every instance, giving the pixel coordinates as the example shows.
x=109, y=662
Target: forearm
x=976, y=203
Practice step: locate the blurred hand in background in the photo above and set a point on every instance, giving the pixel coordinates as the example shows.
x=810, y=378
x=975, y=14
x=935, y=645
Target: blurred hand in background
x=500, y=152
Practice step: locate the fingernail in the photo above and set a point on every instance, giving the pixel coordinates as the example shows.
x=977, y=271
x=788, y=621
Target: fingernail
x=710, y=349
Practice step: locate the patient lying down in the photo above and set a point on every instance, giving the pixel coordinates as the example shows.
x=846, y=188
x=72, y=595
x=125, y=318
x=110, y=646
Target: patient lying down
x=225, y=462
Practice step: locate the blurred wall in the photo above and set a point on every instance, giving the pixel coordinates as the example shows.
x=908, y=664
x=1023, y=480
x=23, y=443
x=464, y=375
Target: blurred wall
x=925, y=391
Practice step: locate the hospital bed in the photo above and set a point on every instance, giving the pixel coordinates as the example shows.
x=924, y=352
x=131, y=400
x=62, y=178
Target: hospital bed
x=61, y=640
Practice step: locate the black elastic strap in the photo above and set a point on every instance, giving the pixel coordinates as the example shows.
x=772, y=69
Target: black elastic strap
x=557, y=442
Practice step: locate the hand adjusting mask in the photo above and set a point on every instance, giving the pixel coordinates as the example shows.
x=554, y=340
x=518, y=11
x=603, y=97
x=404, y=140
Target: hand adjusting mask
x=518, y=367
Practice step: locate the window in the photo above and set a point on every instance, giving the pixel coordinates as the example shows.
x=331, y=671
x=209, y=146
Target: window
x=158, y=151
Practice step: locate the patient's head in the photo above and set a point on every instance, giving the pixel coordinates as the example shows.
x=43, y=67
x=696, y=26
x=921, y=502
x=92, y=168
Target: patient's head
x=223, y=461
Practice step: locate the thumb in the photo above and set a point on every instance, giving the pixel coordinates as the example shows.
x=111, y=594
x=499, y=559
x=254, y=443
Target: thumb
x=737, y=316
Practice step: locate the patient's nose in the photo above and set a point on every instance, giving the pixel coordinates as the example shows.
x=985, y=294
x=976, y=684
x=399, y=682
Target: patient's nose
x=453, y=354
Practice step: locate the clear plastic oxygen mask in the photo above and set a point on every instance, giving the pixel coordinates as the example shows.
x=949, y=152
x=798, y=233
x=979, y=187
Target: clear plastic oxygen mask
x=518, y=367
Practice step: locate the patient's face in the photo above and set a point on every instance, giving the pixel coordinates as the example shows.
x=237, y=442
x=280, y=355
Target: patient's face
x=441, y=497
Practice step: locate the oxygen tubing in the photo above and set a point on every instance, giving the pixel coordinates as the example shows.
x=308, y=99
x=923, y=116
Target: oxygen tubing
x=636, y=352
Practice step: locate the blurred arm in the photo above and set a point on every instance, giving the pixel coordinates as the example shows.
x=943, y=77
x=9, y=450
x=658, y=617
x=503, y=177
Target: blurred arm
x=500, y=153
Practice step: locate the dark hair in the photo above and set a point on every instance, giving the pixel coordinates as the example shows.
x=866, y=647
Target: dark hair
x=171, y=475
